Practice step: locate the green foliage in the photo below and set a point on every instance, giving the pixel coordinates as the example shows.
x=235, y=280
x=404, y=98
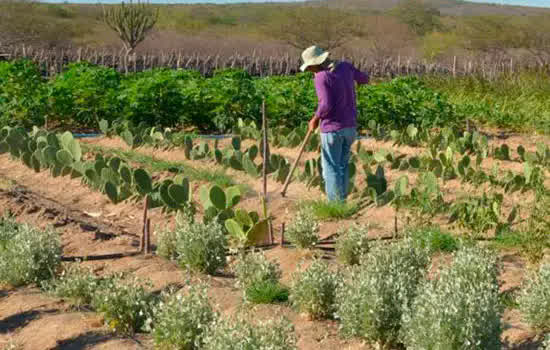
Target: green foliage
x=421, y=17
x=433, y=239
x=254, y=267
x=352, y=244
x=125, y=304
x=266, y=292
x=303, y=231
x=201, y=247
x=378, y=292
x=460, y=309
x=237, y=333
x=314, y=290
x=27, y=255
x=180, y=320
x=534, y=300
x=84, y=94
x=77, y=284
x=246, y=228
x=22, y=94
x=327, y=210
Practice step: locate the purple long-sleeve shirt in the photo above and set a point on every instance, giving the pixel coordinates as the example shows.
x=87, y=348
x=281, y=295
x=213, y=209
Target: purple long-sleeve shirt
x=336, y=94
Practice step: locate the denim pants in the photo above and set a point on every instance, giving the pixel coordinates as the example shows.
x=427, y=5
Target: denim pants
x=335, y=154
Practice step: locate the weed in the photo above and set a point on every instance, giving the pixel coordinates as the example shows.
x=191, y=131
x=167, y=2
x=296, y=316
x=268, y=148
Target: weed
x=327, y=210
x=352, y=244
x=266, y=292
x=27, y=255
x=534, y=301
x=180, y=321
x=377, y=293
x=303, y=231
x=125, y=305
x=314, y=290
x=237, y=333
x=460, y=309
x=434, y=239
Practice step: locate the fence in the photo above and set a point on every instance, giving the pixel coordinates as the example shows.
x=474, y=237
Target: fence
x=52, y=62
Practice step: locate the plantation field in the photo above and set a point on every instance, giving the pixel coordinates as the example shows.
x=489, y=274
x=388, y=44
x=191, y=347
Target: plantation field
x=443, y=243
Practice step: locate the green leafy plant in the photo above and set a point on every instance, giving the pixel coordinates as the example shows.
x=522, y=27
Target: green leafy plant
x=125, y=304
x=314, y=290
x=238, y=333
x=352, y=244
x=266, y=292
x=460, y=309
x=373, y=299
x=303, y=231
x=201, y=247
x=246, y=228
x=534, y=300
x=433, y=239
x=181, y=319
x=28, y=255
x=330, y=210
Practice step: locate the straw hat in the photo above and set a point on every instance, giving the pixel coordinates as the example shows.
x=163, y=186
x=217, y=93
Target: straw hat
x=313, y=56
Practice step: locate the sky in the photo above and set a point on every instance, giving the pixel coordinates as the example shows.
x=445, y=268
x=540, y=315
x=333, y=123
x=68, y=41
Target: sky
x=539, y=3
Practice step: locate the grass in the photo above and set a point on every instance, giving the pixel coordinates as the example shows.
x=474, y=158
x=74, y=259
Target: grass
x=325, y=210
x=434, y=239
x=267, y=292
x=214, y=176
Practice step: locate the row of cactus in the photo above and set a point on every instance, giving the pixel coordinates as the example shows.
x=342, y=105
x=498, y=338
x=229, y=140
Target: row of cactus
x=136, y=136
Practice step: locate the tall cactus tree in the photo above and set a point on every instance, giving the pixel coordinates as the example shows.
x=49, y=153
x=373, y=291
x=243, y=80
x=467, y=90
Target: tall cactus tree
x=132, y=22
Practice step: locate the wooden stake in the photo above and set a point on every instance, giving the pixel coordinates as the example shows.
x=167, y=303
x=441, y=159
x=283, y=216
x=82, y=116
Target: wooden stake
x=264, y=169
x=143, y=243
x=148, y=237
x=282, y=234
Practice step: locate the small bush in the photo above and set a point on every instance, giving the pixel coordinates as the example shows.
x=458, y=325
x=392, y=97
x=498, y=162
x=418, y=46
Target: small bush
x=325, y=210
x=351, y=244
x=459, y=310
x=125, y=305
x=201, y=247
x=314, y=290
x=266, y=292
x=303, y=232
x=167, y=241
x=28, y=255
x=378, y=292
x=253, y=268
x=433, y=239
x=237, y=334
x=75, y=283
x=180, y=321
x=546, y=343
x=534, y=301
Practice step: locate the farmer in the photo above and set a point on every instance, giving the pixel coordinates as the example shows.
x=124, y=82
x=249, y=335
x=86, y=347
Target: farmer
x=337, y=111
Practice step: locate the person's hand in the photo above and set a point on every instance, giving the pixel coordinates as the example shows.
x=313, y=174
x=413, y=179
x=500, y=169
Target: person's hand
x=313, y=124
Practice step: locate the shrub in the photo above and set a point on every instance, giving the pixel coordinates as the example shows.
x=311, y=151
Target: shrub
x=254, y=268
x=351, y=244
x=314, y=290
x=378, y=292
x=460, y=309
x=167, y=241
x=266, y=292
x=304, y=230
x=534, y=301
x=28, y=255
x=125, y=305
x=433, y=239
x=325, y=210
x=237, y=334
x=546, y=343
x=201, y=247
x=181, y=320
x=76, y=284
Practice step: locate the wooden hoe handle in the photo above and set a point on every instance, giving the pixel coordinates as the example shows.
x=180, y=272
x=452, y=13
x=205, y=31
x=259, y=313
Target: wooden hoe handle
x=287, y=181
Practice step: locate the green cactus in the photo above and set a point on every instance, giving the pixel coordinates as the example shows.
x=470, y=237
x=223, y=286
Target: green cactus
x=252, y=152
x=104, y=126
x=77, y=170
x=125, y=174
x=188, y=142
x=50, y=155
x=233, y=196
x=245, y=229
x=165, y=195
x=249, y=166
x=35, y=164
x=218, y=155
x=73, y=147
x=53, y=140
x=112, y=192
x=236, y=143
x=64, y=158
x=114, y=163
x=179, y=194
x=128, y=138
x=31, y=146
x=143, y=181
x=109, y=175
x=217, y=197
x=26, y=158
x=56, y=170
x=92, y=178
x=235, y=163
x=378, y=181
x=4, y=147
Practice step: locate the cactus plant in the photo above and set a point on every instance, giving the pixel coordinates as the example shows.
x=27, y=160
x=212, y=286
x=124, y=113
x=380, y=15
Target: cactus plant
x=236, y=143
x=64, y=158
x=104, y=127
x=217, y=203
x=111, y=192
x=128, y=137
x=249, y=166
x=188, y=143
x=143, y=181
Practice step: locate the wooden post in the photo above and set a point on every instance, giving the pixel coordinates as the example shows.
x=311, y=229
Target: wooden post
x=282, y=234
x=454, y=67
x=264, y=168
x=148, y=237
x=144, y=237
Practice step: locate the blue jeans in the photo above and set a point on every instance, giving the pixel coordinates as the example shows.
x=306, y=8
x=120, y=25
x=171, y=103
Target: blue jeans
x=335, y=154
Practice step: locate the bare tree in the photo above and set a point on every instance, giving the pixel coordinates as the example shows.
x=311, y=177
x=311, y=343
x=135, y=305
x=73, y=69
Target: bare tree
x=132, y=22
x=315, y=25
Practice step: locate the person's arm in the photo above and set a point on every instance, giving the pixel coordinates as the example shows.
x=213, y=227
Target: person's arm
x=325, y=104
x=360, y=77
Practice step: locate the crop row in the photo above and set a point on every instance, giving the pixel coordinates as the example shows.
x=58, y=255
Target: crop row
x=84, y=94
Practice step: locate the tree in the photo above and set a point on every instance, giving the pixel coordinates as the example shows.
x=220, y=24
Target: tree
x=132, y=22
x=421, y=17
x=304, y=26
